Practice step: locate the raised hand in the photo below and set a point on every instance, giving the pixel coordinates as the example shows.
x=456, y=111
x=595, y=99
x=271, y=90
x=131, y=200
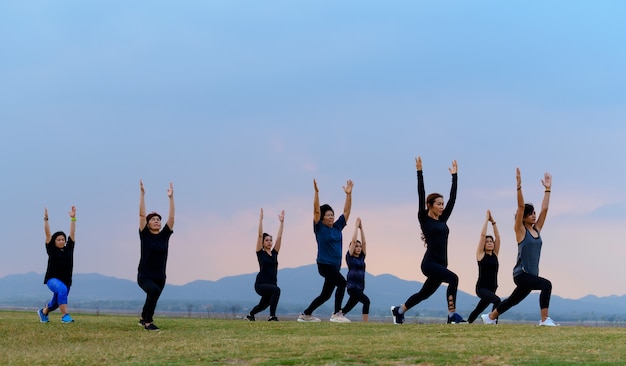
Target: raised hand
x=518, y=176
x=348, y=187
x=141, y=186
x=315, y=185
x=281, y=217
x=45, y=213
x=170, y=191
x=547, y=180
x=454, y=169
x=72, y=212
x=418, y=163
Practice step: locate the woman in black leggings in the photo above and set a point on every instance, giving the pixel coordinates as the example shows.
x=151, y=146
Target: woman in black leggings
x=487, y=257
x=433, y=215
x=266, y=281
x=526, y=270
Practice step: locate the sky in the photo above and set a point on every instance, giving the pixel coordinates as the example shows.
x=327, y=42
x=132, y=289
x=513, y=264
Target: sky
x=241, y=104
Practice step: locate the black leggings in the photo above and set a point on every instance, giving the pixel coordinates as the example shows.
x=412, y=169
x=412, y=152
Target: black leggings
x=153, y=288
x=486, y=297
x=435, y=274
x=332, y=279
x=269, y=297
x=525, y=283
x=356, y=296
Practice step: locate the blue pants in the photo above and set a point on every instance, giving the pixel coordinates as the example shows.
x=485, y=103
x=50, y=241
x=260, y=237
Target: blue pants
x=60, y=292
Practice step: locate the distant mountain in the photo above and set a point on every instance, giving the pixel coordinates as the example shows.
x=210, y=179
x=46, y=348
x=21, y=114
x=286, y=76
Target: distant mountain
x=298, y=287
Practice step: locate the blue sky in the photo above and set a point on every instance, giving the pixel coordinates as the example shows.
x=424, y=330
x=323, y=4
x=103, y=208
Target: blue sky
x=241, y=104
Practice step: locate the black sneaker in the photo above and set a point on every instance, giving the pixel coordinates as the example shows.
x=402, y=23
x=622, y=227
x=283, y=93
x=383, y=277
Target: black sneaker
x=151, y=326
x=272, y=319
x=142, y=323
x=397, y=317
x=455, y=318
x=250, y=317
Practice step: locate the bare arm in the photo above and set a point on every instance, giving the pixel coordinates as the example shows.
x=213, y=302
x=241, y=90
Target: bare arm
x=259, y=240
x=172, y=211
x=72, y=223
x=520, y=230
x=279, y=236
x=46, y=226
x=362, y=237
x=480, y=249
x=142, y=207
x=316, y=204
x=547, y=184
x=496, y=234
x=354, y=236
x=347, y=207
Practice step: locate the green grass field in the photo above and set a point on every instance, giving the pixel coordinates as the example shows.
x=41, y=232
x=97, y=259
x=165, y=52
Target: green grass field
x=118, y=340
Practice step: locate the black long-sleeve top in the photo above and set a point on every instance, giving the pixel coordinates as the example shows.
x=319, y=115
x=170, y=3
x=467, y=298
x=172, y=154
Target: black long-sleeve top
x=435, y=231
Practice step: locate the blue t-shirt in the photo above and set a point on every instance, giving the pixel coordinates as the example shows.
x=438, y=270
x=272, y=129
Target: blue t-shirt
x=329, y=241
x=356, y=271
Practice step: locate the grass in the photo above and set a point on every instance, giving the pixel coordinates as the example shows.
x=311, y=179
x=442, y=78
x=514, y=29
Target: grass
x=118, y=340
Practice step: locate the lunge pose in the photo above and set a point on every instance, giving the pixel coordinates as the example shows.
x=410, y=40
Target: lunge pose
x=329, y=241
x=433, y=215
x=154, y=249
x=526, y=271
x=487, y=257
x=60, y=249
x=266, y=281
x=355, y=259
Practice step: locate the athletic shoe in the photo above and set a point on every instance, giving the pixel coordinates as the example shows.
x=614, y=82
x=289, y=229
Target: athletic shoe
x=455, y=318
x=397, y=317
x=272, y=319
x=548, y=322
x=141, y=322
x=303, y=318
x=250, y=317
x=42, y=317
x=67, y=319
x=151, y=326
x=338, y=317
x=486, y=320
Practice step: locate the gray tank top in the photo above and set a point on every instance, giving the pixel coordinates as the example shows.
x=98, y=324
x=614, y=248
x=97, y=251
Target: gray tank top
x=528, y=252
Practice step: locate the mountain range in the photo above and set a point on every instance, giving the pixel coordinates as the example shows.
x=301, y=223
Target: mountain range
x=235, y=294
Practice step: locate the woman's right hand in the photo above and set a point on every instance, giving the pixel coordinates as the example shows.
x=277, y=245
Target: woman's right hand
x=418, y=163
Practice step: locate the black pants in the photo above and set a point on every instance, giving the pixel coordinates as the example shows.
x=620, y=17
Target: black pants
x=525, y=283
x=269, y=297
x=356, y=296
x=435, y=274
x=332, y=279
x=153, y=288
x=486, y=297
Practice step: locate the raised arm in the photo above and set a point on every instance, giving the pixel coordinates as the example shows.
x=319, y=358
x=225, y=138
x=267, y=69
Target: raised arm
x=46, y=226
x=172, y=211
x=496, y=234
x=355, y=235
x=447, y=211
x=480, y=249
x=421, y=191
x=362, y=237
x=316, y=204
x=142, y=206
x=547, y=184
x=72, y=223
x=347, y=207
x=259, y=240
x=279, y=236
x=520, y=230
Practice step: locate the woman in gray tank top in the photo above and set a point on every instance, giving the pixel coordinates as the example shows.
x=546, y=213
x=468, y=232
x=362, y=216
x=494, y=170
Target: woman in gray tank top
x=526, y=271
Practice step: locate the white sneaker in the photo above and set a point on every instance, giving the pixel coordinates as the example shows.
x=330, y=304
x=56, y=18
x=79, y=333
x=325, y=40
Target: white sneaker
x=486, y=320
x=302, y=318
x=548, y=322
x=339, y=318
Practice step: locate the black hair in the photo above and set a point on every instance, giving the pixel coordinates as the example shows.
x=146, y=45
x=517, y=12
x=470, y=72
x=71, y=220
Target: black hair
x=153, y=214
x=323, y=208
x=54, y=236
x=528, y=209
x=265, y=235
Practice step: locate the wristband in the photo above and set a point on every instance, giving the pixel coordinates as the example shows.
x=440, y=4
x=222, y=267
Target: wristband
x=493, y=223
x=518, y=188
x=548, y=191
x=45, y=219
x=73, y=219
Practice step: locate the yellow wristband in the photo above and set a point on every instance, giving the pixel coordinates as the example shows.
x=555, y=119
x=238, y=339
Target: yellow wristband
x=73, y=219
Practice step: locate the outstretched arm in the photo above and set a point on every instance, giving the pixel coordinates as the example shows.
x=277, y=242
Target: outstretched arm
x=421, y=191
x=348, y=205
x=547, y=184
x=362, y=237
x=354, y=236
x=520, y=230
x=279, y=236
x=447, y=211
x=72, y=223
x=496, y=234
x=259, y=240
x=142, y=206
x=316, y=204
x=480, y=249
x=46, y=226
x=172, y=211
